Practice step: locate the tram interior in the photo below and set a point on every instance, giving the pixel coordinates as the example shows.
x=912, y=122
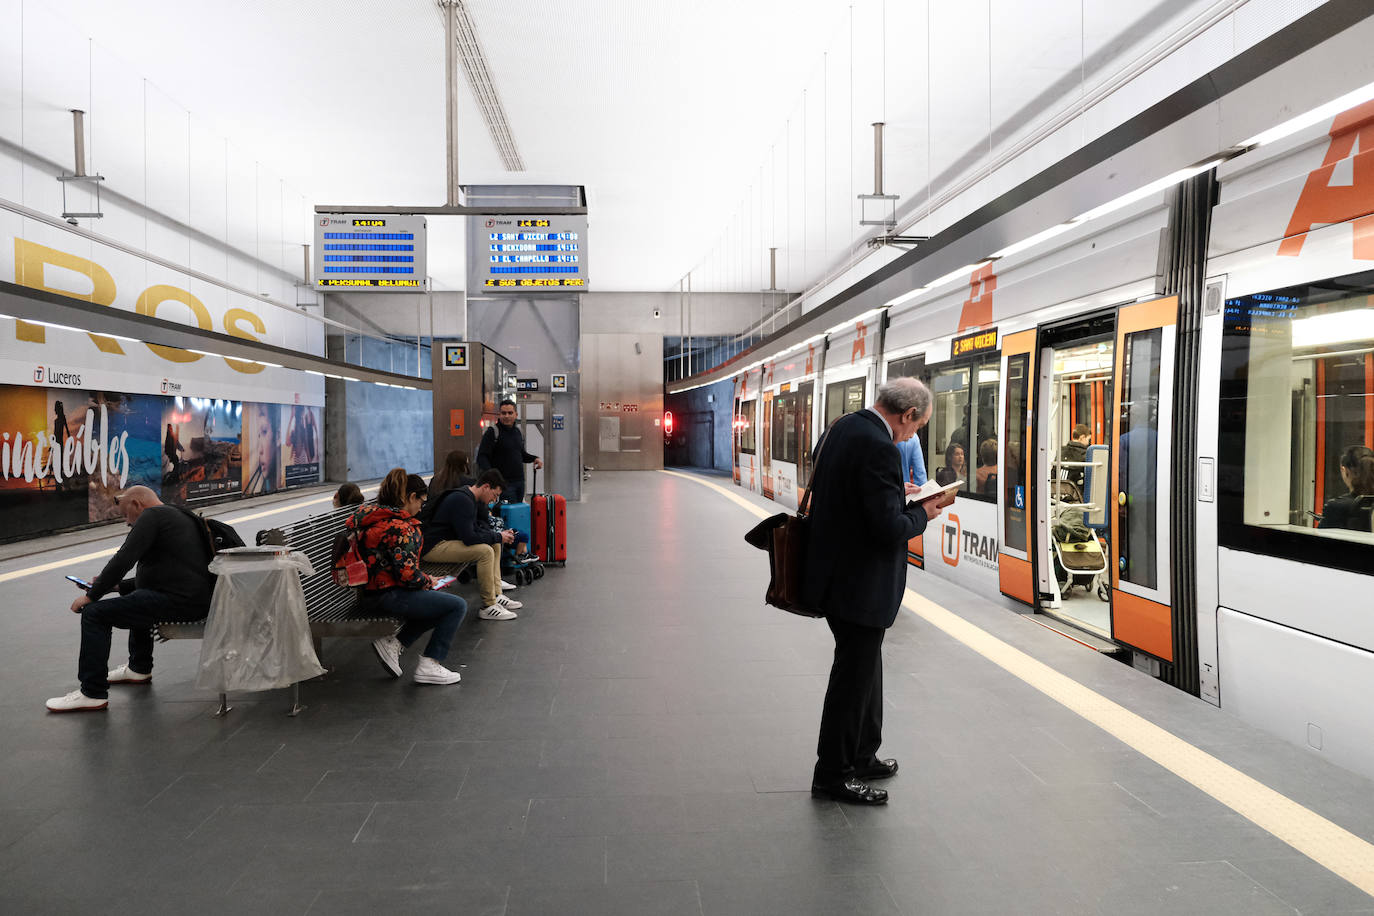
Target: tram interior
x=1078, y=525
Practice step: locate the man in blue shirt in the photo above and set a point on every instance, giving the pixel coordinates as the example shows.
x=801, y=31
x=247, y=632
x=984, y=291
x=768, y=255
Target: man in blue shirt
x=913, y=461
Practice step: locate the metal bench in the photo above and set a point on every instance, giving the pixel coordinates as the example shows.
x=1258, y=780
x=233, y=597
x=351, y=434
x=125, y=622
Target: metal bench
x=332, y=610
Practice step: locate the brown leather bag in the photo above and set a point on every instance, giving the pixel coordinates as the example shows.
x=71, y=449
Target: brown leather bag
x=785, y=538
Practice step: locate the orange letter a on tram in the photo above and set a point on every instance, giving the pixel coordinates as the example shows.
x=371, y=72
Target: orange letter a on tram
x=1322, y=203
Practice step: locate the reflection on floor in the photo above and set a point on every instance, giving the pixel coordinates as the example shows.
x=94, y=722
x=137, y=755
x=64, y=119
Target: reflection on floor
x=1085, y=607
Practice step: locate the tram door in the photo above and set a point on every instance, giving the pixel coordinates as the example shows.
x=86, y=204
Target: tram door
x=1142, y=615
x=765, y=444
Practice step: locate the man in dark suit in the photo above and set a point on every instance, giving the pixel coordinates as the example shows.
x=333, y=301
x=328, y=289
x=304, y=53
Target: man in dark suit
x=856, y=572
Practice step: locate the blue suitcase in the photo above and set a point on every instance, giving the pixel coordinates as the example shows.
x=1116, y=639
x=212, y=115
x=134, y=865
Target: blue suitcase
x=517, y=516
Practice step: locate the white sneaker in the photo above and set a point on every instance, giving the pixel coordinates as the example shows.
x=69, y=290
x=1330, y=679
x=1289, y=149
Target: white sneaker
x=496, y=612
x=76, y=701
x=126, y=675
x=509, y=604
x=389, y=650
x=431, y=672
x=506, y=586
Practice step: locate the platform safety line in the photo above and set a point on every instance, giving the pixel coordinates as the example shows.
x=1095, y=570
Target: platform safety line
x=1328, y=844
x=110, y=551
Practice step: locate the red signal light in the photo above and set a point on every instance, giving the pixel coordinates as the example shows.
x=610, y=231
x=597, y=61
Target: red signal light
x=667, y=422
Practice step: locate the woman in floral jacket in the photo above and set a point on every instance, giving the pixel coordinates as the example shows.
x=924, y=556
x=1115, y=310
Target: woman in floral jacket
x=389, y=539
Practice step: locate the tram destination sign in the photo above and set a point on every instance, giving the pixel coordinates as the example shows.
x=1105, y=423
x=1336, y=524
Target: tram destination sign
x=978, y=342
x=370, y=251
x=526, y=254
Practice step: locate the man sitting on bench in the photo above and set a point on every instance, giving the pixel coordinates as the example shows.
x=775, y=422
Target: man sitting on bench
x=458, y=535
x=172, y=583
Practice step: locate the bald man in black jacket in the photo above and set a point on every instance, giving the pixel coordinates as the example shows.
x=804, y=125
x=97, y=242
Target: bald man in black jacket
x=855, y=573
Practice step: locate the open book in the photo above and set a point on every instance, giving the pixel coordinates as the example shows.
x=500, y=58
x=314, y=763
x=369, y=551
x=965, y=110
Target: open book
x=930, y=490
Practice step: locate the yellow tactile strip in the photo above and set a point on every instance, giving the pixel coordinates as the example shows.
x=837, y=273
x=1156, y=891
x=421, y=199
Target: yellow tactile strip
x=1329, y=845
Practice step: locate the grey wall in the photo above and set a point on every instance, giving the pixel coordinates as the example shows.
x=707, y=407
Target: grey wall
x=542, y=336
x=614, y=371
x=404, y=314
x=711, y=314
x=703, y=420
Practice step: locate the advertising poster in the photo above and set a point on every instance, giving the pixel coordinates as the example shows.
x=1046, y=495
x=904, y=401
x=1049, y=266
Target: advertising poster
x=264, y=470
x=201, y=457
x=43, y=473
x=136, y=420
x=302, y=445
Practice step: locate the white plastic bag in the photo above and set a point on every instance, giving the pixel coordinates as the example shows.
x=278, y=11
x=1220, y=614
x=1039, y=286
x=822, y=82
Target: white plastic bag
x=257, y=636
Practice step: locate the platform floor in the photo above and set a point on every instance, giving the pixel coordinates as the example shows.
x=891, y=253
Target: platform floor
x=639, y=741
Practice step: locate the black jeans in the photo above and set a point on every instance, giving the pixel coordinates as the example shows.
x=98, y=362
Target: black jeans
x=515, y=489
x=852, y=717
x=136, y=612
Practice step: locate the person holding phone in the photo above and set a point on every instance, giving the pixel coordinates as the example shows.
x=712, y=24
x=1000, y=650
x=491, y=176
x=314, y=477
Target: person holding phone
x=172, y=582
x=390, y=540
x=856, y=574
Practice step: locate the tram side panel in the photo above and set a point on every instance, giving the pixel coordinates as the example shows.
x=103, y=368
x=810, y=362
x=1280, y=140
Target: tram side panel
x=1290, y=634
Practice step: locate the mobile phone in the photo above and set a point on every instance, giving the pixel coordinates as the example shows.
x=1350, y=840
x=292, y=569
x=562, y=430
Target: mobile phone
x=80, y=583
x=442, y=582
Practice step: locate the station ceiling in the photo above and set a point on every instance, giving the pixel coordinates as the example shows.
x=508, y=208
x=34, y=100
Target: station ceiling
x=675, y=116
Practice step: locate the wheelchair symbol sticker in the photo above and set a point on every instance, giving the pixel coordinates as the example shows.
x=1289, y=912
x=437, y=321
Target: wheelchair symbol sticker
x=1020, y=497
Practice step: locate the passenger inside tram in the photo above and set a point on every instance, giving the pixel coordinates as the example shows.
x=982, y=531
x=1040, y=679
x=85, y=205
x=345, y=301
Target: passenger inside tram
x=1354, y=509
x=986, y=474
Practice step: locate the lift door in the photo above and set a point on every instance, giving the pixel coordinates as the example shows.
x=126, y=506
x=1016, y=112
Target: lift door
x=1142, y=614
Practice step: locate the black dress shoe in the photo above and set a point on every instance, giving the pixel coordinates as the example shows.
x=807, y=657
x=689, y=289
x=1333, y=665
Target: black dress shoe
x=851, y=792
x=878, y=769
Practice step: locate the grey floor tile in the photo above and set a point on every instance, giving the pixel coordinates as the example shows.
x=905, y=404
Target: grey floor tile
x=478, y=900
x=1305, y=885
x=639, y=744
x=805, y=893
x=665, y=898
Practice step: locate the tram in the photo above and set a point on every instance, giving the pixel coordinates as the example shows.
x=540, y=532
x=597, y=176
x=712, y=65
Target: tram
x=1057, y=401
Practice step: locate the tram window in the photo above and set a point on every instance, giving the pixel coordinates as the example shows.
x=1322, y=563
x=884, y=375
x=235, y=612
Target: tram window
x=1138, y=457
x=842, y=398
x=746, y=429
x=963, y=426
x=1297, y=423
x=786, y=423
x=1014, y=452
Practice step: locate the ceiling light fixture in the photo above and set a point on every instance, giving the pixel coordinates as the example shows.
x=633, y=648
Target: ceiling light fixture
x=1309, y=118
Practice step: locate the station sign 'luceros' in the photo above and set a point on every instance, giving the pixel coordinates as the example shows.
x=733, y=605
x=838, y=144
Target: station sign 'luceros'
x=527, y=253
x=369, y=251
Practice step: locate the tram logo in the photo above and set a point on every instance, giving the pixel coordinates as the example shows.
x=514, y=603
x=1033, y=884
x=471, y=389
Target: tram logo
x=977, y=310
x=1322, y=202
x=951, y=538
x=38, y=374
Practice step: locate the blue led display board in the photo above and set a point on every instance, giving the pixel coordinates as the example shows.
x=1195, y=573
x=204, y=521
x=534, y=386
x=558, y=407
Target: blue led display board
x=370, y=252
x=526, y=254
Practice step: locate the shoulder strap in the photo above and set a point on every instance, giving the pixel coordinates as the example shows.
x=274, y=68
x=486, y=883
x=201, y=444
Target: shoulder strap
x=805, y=504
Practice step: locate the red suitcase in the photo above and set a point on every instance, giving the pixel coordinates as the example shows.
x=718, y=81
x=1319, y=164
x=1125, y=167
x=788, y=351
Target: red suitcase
x=549, y=519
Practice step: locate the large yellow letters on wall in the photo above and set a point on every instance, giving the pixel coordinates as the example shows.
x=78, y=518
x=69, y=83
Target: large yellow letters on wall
x=31, y=259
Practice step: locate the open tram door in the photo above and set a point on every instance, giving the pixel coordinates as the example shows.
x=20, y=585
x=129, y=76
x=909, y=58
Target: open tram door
x=1141, y=477
x=1015, y=570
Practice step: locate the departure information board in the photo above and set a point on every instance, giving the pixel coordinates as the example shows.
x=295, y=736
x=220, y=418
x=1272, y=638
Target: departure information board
x=526, y=254
x=372, y=252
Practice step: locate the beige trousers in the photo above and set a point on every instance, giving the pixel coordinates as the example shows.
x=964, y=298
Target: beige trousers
x=486, y=556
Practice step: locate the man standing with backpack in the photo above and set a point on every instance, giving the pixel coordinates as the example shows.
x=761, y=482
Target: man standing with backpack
x=503, y=448
x=172, y=548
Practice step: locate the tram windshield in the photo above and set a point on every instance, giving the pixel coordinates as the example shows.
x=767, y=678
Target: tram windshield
x=1299, y=364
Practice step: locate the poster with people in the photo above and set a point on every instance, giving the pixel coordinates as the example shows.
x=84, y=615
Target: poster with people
x=302, y=447
x=136, y=421
x=201, y=457
x=42, y=473
x=264, y=470
x=66, y=453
